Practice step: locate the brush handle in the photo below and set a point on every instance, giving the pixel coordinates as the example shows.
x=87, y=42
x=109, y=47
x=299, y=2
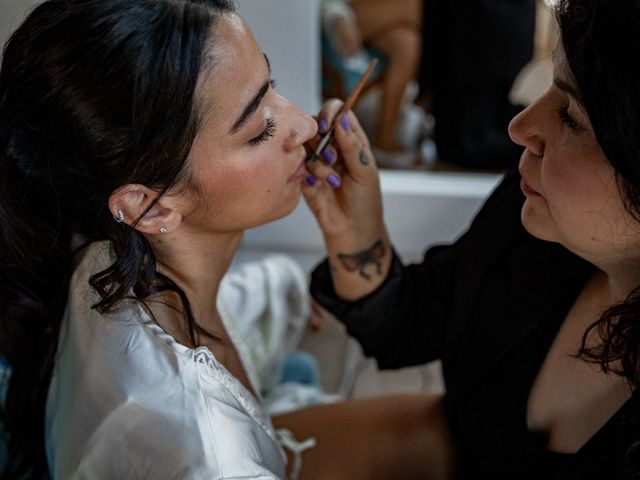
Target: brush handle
x=348, y=105
x=353, y=97
x=324, y=142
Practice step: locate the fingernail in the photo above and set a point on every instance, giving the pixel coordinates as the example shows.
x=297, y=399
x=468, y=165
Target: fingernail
x=311, y=180
x=328, y=156
x=323, y=125
x=334, y=181
x=344, y=122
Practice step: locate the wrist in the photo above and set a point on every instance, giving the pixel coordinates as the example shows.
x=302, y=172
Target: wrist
x=355, y=238
x=359, y=266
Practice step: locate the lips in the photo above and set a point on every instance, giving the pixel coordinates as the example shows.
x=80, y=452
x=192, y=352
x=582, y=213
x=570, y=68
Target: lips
x=299, y=174
x=526, y=188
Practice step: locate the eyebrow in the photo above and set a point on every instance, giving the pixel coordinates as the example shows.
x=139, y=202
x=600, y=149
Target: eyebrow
x=254, y=104
x=565, y=87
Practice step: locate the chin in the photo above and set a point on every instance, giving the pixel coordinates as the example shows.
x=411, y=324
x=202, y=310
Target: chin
x=536, y=223
x=292, y=204
x=282, y=211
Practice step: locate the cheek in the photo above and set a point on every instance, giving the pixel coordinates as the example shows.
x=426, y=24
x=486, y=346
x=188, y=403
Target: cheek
x=575, y=179
x=584, y=202
x=249, y=191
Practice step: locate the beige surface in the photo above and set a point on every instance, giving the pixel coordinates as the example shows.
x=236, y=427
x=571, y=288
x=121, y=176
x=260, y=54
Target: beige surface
x=345, y=370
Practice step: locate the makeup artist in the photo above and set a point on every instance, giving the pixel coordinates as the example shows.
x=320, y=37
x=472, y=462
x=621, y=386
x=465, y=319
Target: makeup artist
x=535, y=310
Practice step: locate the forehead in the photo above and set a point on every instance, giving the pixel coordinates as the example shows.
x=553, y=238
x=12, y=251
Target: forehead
x=233, y=66
x=232, y=40
x=560, y=66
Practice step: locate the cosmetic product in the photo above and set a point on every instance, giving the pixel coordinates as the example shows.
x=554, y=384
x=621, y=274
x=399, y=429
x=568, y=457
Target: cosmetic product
x=348, y=104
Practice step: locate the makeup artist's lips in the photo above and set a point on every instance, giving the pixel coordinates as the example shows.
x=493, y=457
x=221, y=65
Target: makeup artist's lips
x=527, y=190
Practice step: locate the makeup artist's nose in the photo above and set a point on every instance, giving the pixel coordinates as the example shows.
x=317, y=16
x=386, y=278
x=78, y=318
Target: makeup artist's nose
x=302, y=128
x=524, y=129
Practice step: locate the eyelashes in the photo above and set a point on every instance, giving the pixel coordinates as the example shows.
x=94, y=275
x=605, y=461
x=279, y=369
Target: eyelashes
x=266, y=134
x=563, y=113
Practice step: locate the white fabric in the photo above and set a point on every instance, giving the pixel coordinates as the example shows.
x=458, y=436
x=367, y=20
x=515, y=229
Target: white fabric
x=266, y=306
x=289, y=441
x=289, y=396
x=127, y=401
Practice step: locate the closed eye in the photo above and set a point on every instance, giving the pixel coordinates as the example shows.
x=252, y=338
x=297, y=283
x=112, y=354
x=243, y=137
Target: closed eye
x=563, y=113
x=267, y=133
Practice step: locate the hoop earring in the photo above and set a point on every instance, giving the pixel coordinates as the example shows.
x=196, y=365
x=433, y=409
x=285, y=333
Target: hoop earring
x=163, y=229
x=120, y=217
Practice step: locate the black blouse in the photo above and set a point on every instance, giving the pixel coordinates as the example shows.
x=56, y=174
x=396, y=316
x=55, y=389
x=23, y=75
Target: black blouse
x=489, y=306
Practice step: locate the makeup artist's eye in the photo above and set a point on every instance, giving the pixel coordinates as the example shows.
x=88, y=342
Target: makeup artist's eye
x=266, y=134
x=563, y=113
x=274, y=83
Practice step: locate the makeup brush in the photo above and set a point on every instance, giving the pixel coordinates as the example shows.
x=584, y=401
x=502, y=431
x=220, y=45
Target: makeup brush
x=348, y=104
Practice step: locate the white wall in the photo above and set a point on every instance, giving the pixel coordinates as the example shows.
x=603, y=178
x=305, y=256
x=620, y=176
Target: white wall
x=289, y=33
x=11, y=14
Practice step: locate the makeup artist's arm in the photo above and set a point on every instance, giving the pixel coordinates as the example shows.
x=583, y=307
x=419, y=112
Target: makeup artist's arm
x=350, y=215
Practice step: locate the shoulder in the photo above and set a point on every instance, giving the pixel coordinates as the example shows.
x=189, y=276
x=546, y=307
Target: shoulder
x=159, y=411
x=123, y=388
x=157, y=424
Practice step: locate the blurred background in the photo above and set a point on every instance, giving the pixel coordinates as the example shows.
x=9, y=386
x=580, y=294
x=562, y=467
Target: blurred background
x=451, y=74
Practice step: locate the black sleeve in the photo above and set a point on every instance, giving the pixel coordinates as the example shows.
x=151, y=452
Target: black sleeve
x=401, y=323
x=404, y=321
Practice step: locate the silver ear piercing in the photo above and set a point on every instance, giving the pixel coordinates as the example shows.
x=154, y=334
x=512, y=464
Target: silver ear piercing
x=120, y=217
x=163, y=229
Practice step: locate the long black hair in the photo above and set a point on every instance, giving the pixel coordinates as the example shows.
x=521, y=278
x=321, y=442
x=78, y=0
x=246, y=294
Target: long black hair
x=601, y=40
x=94, y=95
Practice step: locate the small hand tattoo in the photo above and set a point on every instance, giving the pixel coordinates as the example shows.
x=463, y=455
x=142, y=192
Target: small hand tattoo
x=364, y=159
x=358, y=261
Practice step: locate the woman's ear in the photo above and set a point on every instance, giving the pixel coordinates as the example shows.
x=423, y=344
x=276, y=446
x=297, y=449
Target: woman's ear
x=128, y=203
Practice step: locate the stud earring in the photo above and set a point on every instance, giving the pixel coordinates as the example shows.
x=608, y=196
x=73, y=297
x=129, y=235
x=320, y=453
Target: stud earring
x=163, y=229
x=120, y=217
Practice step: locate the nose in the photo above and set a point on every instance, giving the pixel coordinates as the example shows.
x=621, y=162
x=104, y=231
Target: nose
x=524, y=129
x=302, y=127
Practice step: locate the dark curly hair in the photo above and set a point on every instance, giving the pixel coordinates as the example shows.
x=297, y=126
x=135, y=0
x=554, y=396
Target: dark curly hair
x=601, y=40
x=94, y=95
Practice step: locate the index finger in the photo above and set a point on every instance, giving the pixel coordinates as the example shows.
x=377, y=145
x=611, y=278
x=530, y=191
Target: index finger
x=328, y=113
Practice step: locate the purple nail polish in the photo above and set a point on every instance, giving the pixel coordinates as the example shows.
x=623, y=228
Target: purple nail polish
x=311, y=180
x=323, y=125
x=344, y=122
x=328, y=156
x=334, y=181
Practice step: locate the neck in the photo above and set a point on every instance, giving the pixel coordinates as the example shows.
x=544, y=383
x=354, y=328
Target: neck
x=619, y=280
x=197, y=263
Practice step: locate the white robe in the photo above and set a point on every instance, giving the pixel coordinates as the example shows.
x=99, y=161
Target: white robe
x=127, y=401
